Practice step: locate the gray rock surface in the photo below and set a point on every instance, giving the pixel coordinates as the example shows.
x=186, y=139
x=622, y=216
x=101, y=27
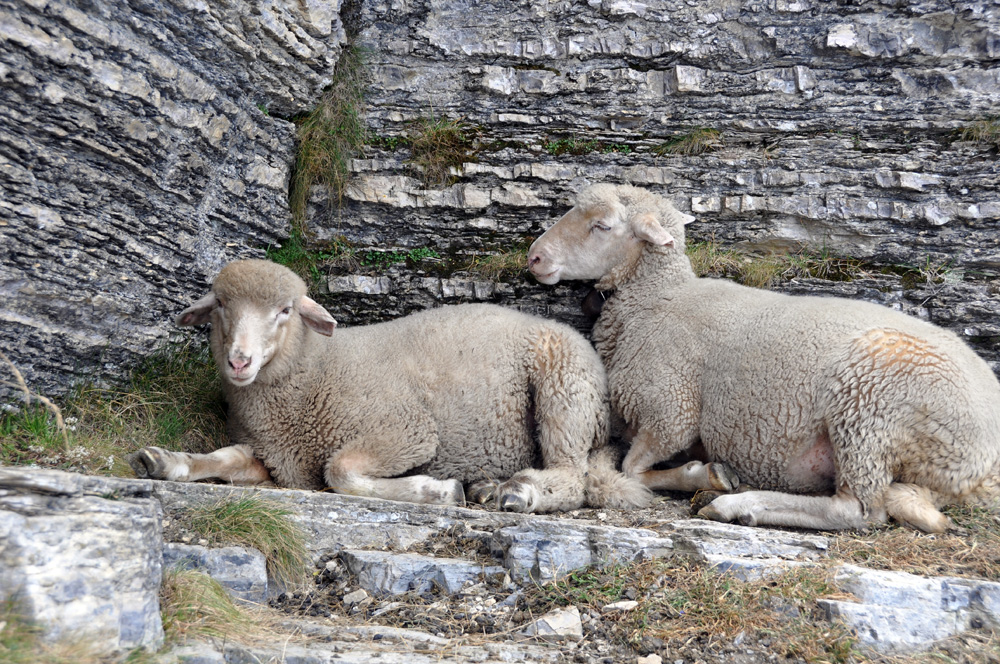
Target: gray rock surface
x=81, y=557
x=242, y=571
x=386, y=573
x=86, y=555
x=897, y=612
x=140, y=149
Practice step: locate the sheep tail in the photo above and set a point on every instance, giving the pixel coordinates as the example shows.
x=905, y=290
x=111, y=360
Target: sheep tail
x=605, y=486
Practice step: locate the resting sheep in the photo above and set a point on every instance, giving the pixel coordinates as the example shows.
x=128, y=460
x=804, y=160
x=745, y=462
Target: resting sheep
x=872, y=411
x=453, y=394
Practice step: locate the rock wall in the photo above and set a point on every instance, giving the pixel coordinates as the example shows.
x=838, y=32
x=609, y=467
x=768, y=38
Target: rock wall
x=138, y=152
x=838, y=131
x=141, y=147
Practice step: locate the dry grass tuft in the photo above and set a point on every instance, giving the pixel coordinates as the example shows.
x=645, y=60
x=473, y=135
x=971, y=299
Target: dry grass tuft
x=264, y=525
x=194, y=604
x=983, y=132
x=974, y=551
x=684, y=601
x=21, y=642
x=438, y=145
x=698, y=141
x=708, y=259
x=505, y=264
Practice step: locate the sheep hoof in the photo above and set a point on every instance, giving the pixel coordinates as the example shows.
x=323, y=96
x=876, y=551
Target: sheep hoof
x=517, y=496
x=148, y=463
x=482, y=492
x=709, y=512
x=703, y=499
x=722, y=477
x=453, y=494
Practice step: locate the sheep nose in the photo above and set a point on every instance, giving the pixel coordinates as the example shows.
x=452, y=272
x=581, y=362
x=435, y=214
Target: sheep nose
x=239, y=364
x=533, y=260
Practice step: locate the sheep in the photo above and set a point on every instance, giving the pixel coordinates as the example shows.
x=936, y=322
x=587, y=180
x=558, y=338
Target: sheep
x=452, y=394
x=874, y=412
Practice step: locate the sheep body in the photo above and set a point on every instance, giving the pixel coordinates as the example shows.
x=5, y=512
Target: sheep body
x=795, y=394
x=459, y=392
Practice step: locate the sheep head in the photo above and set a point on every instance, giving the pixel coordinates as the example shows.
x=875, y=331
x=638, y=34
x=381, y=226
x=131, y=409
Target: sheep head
x=255, y=307
x=607, y=229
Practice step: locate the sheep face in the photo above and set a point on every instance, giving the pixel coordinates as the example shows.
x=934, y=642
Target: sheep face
x=254, y=308
x=595, y=237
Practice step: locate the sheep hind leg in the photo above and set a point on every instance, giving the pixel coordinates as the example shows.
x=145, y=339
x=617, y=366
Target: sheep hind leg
x=915, y=505
x=772, y=508
x=352, y=473
x=235, y=464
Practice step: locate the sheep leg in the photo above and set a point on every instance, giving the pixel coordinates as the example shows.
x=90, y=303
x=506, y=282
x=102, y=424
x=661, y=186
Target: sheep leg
x=915, y=505
x=772, y=508
x=692, y=476
x=356, y=473
x=549, y=490
x=235, y=464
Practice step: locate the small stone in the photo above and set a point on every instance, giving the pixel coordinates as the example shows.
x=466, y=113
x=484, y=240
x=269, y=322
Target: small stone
x=557, y=625
x=356, y=597
x=620, y=607
x=650, y=659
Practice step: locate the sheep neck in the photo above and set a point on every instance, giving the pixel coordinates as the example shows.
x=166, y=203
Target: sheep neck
x=664, y=266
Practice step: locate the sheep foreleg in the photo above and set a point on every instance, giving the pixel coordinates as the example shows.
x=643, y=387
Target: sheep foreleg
x=235, y=464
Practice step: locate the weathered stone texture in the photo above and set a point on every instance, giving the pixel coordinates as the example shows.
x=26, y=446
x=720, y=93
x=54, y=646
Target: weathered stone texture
x=839, y=128
x=81, y=557
x=135, y=159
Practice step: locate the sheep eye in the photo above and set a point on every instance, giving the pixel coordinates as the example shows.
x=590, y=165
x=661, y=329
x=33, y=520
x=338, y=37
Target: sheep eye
x=219, y=303
x=600, y=227
x=286, y=311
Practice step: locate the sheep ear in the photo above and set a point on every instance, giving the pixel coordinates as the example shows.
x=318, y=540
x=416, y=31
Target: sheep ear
x=316, y=316
x=647, y=228
x=198, y=313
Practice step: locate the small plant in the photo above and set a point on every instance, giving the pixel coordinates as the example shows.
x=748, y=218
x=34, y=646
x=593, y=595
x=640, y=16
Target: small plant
x=501, y=265
x=306, y=261
x=572, y=145
x=194, y=604
x=438, y=145
x=260, y=524
x=388, y=143
x=331, y=135
x=983, y=132
x=696, y=142
x=382, y=259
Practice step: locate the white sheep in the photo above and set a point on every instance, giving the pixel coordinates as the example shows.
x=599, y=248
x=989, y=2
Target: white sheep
x=872, y=411
x=456, y=394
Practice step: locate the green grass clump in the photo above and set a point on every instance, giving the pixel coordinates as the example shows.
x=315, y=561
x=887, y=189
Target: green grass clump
x=437, y=145
x=331, y=135
x=173, y=400
x=696, y=142
x=571, y=145
x=261, y=524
